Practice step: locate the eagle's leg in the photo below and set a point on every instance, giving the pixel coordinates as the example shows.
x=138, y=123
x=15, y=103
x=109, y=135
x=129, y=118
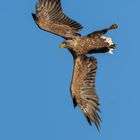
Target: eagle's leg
x=105, y=49
x=104, y=31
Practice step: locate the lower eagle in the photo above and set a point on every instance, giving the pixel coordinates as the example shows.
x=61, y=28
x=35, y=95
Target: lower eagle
x=49, y=16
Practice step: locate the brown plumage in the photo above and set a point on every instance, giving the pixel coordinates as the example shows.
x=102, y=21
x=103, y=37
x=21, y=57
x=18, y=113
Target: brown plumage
x=83, y=45
x=83, y=88
x=50, y=17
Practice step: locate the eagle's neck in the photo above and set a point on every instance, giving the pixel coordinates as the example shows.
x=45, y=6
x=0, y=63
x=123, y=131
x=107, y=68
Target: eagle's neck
x=73, y=53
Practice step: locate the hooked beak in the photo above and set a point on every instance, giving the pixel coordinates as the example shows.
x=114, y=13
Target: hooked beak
x=62, y=46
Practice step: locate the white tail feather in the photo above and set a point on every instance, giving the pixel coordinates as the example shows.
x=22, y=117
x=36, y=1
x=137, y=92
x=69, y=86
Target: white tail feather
x=111, y=51
x=108, y=40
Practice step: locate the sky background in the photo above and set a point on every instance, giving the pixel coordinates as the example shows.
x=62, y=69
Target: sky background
x=35, y=74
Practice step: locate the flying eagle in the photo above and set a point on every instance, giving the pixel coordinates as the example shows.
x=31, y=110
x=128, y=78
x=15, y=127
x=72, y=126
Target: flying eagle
x=50, y=17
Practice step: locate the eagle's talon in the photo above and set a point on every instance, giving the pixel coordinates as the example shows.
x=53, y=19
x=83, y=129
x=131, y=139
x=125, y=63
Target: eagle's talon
x=113, y=26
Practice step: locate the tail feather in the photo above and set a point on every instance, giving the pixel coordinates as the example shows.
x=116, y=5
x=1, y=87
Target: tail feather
x=108, y=40
x=103, y=44
x=111, y=46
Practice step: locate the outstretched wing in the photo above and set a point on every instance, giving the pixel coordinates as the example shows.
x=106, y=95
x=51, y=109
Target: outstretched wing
x=50, y=17
x=83, y=88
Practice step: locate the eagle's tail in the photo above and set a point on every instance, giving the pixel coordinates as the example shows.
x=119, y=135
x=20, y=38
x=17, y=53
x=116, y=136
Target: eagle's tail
x=103, y=44
x=111, y=46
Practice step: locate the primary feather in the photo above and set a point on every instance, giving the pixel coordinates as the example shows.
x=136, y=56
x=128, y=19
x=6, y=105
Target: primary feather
x=50, y=17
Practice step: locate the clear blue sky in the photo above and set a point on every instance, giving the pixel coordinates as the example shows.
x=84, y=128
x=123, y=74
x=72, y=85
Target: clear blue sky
x=35, y=74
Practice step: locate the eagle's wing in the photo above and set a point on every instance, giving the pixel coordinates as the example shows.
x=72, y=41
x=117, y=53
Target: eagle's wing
x=50, y=17
x=83, y=88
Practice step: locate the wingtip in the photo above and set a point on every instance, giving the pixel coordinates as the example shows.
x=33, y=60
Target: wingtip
x=88, y=120
x=96, y=122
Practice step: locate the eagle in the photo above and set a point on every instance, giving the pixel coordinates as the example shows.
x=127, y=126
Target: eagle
x=49, y=17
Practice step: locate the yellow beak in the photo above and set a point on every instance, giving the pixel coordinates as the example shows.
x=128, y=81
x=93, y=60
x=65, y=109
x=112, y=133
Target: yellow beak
x=62, y=46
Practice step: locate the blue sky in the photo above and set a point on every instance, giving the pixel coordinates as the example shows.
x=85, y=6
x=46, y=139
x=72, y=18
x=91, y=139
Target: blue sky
x=35, y=74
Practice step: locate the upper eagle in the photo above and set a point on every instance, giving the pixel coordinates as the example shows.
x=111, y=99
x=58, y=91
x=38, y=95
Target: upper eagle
x=49, y=16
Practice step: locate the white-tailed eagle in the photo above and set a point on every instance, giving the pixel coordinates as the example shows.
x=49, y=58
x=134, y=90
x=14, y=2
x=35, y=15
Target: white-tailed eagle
x=50, y=17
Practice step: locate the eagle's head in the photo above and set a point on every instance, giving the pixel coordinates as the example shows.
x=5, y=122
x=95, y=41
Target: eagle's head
x=69, y=44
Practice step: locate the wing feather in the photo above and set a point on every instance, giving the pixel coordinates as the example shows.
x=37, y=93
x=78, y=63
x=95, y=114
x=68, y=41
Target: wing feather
x=83, y=88
x=50, y=17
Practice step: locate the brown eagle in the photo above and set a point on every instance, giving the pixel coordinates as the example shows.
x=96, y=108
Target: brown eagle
x=50, y=17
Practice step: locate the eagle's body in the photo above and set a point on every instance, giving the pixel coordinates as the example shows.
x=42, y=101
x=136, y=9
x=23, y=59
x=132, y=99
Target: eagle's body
x=86, y=45
x=49, y=16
